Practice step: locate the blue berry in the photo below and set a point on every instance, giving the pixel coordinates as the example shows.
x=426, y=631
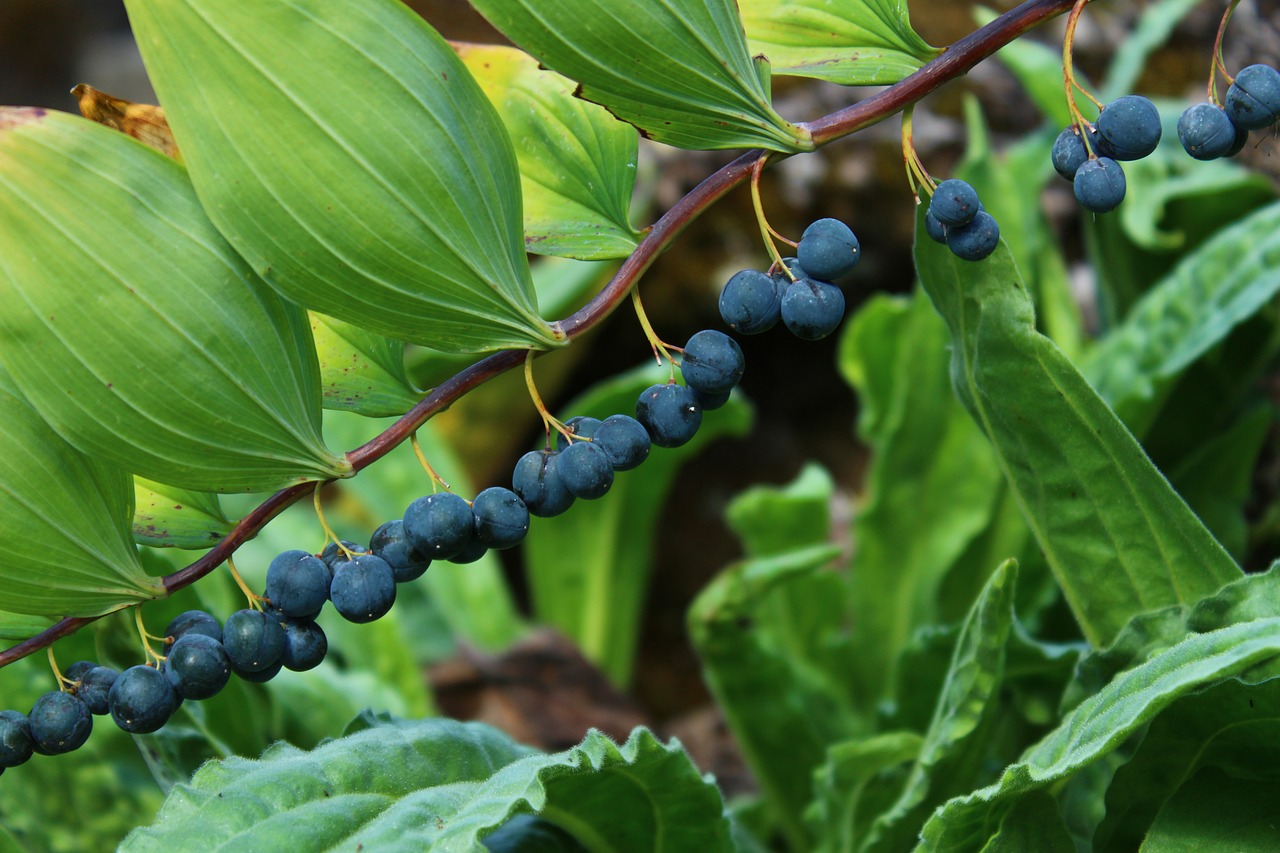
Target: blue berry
x=364, y=588
x=974, y=241
x=298, y=584
x=439, y=525
x=669, y=413
x=78, y=669
x=828, y=249
x=94, y=687
x=194, y=622
x=259, y=676
x=1205, y=131
x=502, y=519
x=812, y=309
x=198, y=666
x=712, y=362
x=579, y=427
x=711, y=402
x=391, y=544
x=1068, y=152
x=332, y=553
x=750, y=302
x=536, y=479
x=474, y=551
x=936, y=230
x=624, y=440
x=142, y=699
x=59, y=723
x=305, y=645
x=15, y=739
x=954, y=202
x=585, y=470
x=1253, y=100
x=1099, y=185
x=1242, y=138
x=253, y=640
x=1129, y=127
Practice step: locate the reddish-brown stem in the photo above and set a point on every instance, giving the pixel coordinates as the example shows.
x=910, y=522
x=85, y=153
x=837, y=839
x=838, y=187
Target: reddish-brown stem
x=955, y=61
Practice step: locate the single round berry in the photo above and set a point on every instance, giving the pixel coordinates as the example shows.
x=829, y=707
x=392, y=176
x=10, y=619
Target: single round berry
x=59, y=723
x=1253, y=100
x=669, y=413
x=305, y=645
x=1068, y=152
x=750, y=302
x=712, y=362
x=936, y=230
x=260, y=676
x=198, y=666
x=253, y=639
x=711, y=402
x=15, y=739
x=579, y=427
x=811, y=310
x=954, y=202
x=77, y=670
x=502, y=519
x=624, y=440
x=391, y=544
x=974, y=241
x=536, y=479
x=828, y=249
x=194, y=622
x=95, y=686
x=1205, y=131
x=1099, y=185
x=142, y=699
x=585, y=470
x=439, y=525
x=363, y=589
x=1129, y=127
x=474, y=551
x=1242, y=139
x=332, y=553
x=298, y=584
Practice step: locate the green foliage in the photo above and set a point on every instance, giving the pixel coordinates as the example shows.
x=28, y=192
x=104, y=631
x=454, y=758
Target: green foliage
x=169, y=517
x=361, y=371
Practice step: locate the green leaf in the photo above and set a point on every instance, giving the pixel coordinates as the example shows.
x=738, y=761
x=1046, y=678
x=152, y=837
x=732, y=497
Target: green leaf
x=348, y=169
x=854, y=785
x=1101, y=724
x=15, y=627
x=771, y=520
x=65, y=524
x=203, y=378
x=361, y=371
x=1118, y=538
x=577, y=163
x=860, y=43
x=1033, y=823
x=589, y=568
x=679, y=70
x=169, y=517
x=1214, y=811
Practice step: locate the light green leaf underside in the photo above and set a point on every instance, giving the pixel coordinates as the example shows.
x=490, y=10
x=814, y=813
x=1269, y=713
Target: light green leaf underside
x=577, y=162
x=16, y=627
x=134, y=329
x=441, y=785
x=169, y=517
x=361, y=371
x=1118, y=538
x=679, y=70
x=362, y=171
x=65, y=523
x=855, y=43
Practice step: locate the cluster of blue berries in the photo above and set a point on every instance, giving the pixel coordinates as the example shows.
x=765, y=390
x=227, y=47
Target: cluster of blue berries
x=1128, y=128
x=957, y=218
x=802, y=294
x=1208, y=131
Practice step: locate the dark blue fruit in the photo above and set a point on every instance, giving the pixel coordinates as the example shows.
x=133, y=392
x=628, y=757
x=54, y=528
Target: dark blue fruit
x=502, y=519
x=1205, y=131
x=198, y=666
x=750, y=302
x=974, y=241
x=142, y=699
x=624, y=440
x=579, y=427
x=59, y=723
x=194, y=622
x=1242, y=139
x=1253, y=100
x=1068, y=152
x=936, y=230
x=305, y=645
x=77, y=670
x=439, y=525
x=474, y=551
x=1100, y=185
x=253, y=640
x=1129, y=127
x=954, y=202
x=585, y=470
x=261, y=676
x=364, y=589
x=15, y=739
x=391, y=544
x=811, y=310
x=536, y=479
x=95, y=686
x=669, y=413
x=332, y=553
x=711, y=402
x=298, y=584
x=828, y=249
x=712, y=362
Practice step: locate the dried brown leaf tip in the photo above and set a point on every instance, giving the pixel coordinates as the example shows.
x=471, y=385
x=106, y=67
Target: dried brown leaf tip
x=144, y=122
x=18, y=116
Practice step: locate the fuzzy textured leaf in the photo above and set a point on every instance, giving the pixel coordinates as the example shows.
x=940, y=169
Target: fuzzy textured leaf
x=169, y=517
x=361, y=172
x=361, y=371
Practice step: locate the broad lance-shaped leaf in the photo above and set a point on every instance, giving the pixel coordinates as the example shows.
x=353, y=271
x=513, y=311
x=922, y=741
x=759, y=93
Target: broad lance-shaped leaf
x=134, y=329
x=577, y=163
x=1118, y=538
x=853, y=42
x=361, y=371
x=169, y=517
x=65, y=524
x=361, y=171
x=679, y=70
